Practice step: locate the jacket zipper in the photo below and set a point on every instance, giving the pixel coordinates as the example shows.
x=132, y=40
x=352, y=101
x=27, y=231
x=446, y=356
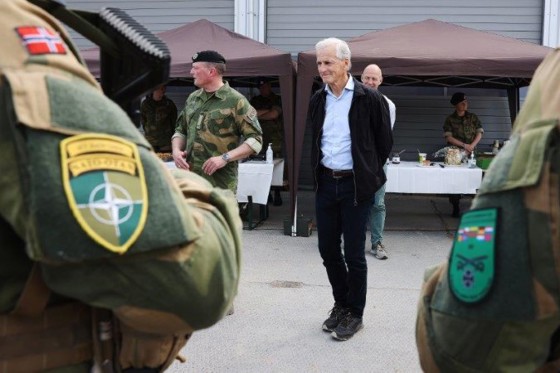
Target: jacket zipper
x=353, y=173
x=355, y=188
x=318, y=160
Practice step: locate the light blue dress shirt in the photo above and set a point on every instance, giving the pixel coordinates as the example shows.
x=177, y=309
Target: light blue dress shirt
x=336, y=144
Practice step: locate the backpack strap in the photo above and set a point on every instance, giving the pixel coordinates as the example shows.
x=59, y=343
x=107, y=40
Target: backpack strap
x=35, y=295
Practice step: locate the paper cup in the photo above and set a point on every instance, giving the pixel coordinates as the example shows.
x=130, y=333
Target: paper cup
x=421, y=157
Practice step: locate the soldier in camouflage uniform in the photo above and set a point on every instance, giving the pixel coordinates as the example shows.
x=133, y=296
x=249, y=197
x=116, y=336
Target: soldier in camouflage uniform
x=210, y=127
x=159, y=115
x=495, y=306
x=97, y=238
x=464, y=130
x=269, y=112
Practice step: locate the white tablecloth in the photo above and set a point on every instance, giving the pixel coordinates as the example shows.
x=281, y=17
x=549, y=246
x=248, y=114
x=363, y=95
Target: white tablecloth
x=255, y=179
x=278, y=172
x=408, y=177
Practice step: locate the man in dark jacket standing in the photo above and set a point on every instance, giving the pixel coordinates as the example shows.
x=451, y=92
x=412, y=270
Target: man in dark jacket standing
x=351, y=141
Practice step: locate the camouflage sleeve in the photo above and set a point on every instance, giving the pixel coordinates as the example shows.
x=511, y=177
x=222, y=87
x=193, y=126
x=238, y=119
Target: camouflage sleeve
x=180, y=125
x=478, y=124
x=250, y=128
x=193, y=284
x=173, y=114
x=447, y=128
x=166, y=293
x=432, y=278
x=143, y=117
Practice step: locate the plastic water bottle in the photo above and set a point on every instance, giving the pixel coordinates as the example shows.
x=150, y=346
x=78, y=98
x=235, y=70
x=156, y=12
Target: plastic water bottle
x=496, y=147
x=472, y=161
x=269, y=154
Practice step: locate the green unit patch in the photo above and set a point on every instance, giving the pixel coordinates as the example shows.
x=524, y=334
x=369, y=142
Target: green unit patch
x=473, y=257
x=104, y=183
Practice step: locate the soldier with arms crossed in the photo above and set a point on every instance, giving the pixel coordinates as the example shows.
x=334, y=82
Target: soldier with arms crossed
x=159, y=115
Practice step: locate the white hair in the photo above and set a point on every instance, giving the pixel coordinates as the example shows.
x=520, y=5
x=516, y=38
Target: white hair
x=342, y=48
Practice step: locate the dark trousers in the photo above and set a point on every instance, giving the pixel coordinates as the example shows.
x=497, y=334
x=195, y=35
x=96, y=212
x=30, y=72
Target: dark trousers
x=454, y=199
x=338, y=215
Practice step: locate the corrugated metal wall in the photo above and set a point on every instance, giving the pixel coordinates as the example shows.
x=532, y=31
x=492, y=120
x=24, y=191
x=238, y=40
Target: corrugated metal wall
x=159, y=16
x=296, y=25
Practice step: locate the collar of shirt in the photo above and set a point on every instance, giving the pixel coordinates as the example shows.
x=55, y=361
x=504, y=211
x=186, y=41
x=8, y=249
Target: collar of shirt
x=221, y=93
x=349, y=86
x=335, y=140
x=392, y=110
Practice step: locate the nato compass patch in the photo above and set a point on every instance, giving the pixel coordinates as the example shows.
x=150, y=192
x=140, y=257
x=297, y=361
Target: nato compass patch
x=472, y=260
x=105, y=186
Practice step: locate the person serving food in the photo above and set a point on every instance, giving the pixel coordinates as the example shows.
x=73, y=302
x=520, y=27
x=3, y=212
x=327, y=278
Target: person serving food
x=462, y=128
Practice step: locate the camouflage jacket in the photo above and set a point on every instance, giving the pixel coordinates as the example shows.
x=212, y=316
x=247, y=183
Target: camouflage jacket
x=462, y=128
x=515, y=326
x=158, y=120
x=214, y=124
x=273, y=130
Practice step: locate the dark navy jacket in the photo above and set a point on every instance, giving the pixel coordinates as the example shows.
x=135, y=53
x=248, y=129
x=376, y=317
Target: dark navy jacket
x=370, y=133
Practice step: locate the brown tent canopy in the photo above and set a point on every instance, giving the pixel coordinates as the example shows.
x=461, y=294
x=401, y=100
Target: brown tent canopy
x=428, y=53
x=245, y=58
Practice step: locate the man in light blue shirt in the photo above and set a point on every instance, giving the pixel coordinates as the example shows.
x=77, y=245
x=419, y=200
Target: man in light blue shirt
x=351, y=141
x=335, y=141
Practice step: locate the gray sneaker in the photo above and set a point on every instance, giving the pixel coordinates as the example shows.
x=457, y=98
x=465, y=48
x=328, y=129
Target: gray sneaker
x=348, y=326
x=335, y=317
x=378, y=251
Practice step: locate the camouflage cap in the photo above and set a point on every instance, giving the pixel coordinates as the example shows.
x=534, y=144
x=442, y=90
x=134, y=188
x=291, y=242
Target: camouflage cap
x=208, y=56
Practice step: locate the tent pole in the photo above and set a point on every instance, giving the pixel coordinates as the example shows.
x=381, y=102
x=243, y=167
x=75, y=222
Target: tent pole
x=513, y=101
x=294, y=222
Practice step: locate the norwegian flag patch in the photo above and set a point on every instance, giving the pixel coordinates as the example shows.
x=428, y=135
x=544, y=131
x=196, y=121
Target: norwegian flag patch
x=40, y=40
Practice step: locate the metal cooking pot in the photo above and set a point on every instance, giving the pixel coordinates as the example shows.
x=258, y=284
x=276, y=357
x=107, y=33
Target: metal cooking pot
x=397, y=157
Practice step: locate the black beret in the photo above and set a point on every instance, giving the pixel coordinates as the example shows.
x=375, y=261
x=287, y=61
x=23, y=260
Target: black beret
x=457, y=97
x=264, y=81
x=208, y=56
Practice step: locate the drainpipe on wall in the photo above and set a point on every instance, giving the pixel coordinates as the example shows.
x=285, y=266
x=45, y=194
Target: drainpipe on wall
x=551, y=26
x=250, y=19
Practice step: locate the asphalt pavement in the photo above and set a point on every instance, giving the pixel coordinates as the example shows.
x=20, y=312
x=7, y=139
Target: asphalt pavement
x=284, y=297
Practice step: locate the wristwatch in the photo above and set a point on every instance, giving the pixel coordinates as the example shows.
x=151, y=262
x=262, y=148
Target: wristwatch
x=225, y=157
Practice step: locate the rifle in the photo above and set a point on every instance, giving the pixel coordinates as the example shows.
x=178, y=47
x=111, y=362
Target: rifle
x=133, y=60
